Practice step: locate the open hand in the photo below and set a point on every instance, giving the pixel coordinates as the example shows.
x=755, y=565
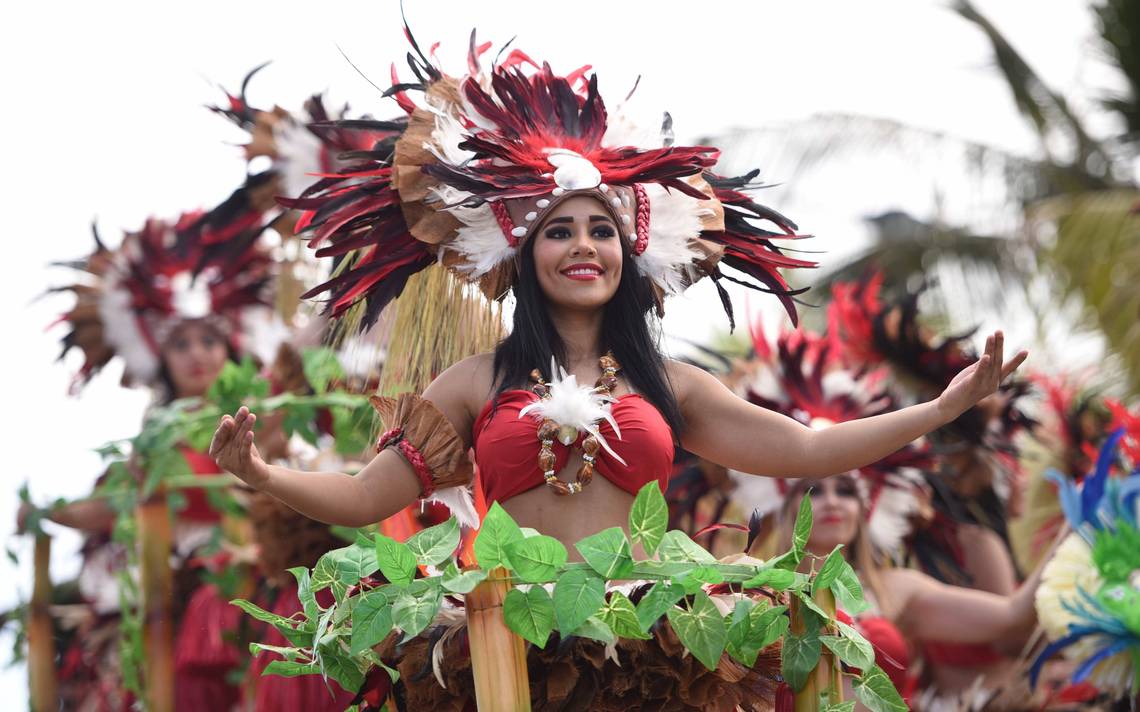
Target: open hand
x=233, y=449
x=979, y=379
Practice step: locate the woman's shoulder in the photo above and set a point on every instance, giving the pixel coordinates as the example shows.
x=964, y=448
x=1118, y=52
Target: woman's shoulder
x=683, y=377
x=473, y=377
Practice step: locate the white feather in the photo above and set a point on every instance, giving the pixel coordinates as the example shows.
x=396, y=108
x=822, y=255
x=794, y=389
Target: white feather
x=480, y=240
x=261, y=332
x=298, y=156
x=757, y=493
x=890, y=520
x=122, y=332
x=461, y=503
x=577, y=406
x=674, y=222
x=447, y=135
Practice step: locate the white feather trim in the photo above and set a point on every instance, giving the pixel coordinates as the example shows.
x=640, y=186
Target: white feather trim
x=674, y=222
x=447, y=135
x=576, y=406
x=298, y=156
x=480, y=240
x=755, y=493
x=262, y=332
x=122, y=332
x=890, y=520
x=461, y=503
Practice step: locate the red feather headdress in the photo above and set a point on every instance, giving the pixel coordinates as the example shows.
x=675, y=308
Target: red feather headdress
x=874, y=331
x=200, y=267
x=813, y=387
x=482, y=159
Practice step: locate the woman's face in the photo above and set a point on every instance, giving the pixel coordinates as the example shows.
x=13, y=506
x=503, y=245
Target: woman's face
x=577, y=255
x=836, y=511
x=194, y=355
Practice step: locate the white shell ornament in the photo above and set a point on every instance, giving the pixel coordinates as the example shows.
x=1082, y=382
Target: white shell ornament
x=572, y=171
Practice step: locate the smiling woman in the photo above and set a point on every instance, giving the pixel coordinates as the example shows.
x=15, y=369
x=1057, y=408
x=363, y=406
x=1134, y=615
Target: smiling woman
x=518, y=180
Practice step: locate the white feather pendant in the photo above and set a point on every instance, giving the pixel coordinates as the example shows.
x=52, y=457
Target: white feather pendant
x=461, y=503
x=480, y=240
x=674, y=222
x=580, y=407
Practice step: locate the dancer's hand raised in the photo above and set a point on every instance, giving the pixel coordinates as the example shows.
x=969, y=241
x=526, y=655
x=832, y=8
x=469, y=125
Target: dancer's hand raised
x=980, y=378
x=233, y=449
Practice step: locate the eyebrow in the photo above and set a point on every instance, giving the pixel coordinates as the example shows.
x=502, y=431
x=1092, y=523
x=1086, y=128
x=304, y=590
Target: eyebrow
x=570, y=220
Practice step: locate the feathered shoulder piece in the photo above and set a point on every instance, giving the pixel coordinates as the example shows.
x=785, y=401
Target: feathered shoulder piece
x=481, y=159
x=130, y=298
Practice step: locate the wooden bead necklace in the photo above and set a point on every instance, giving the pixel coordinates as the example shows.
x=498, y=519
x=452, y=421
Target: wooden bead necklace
x=549, y=431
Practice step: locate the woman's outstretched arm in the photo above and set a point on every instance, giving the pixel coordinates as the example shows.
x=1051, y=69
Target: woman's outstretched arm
x=382, y=488
x=728, y=430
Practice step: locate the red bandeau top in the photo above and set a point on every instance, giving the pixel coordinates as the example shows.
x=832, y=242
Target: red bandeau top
x=506, y=446
x=198, y=507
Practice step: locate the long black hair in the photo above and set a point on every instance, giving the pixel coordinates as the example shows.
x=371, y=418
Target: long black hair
x=626, y=332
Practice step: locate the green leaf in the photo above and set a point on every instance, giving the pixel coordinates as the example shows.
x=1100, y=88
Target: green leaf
x=753, y=628
x=352, y=563
x=619, y=614
x=774, y=578
x=851, y=647
x=434, y=545
x=701, y=629
x=578, y=594
x=798, y=657
x=305, y=592
x=801, y=532
x=677, y=546
x=342, y=669
x=537, y=559
x=811, y=605
x=321, y=367
x=656, y=602
x=497, y=532
x=285, y=668
x=595, y=629
x=396, y=560
x=352, y=428
x=371, y=620
x=530, y=614
x=848, y=591
x=281, y=623
x=698, y=576
x=875, y=691
x=608, y=553
x=458, y=581
x=290, y=654
x=848, y=706
x=649, y=517
x=415, y=608
x=324, y=573
x=829, y=571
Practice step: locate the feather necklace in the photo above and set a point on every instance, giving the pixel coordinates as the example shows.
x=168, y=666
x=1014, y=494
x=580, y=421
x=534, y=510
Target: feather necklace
x=566, y=410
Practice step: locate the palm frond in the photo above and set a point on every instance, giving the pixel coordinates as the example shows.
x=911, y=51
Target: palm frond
x=1090, y=166
x=1097, y=253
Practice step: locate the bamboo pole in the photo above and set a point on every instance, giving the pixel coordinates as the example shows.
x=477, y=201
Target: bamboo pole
x=498, y=656
x=157, y=586
x=825, y=678
x=41, y=643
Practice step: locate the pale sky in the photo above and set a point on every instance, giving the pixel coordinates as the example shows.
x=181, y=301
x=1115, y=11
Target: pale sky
x=105, y=121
